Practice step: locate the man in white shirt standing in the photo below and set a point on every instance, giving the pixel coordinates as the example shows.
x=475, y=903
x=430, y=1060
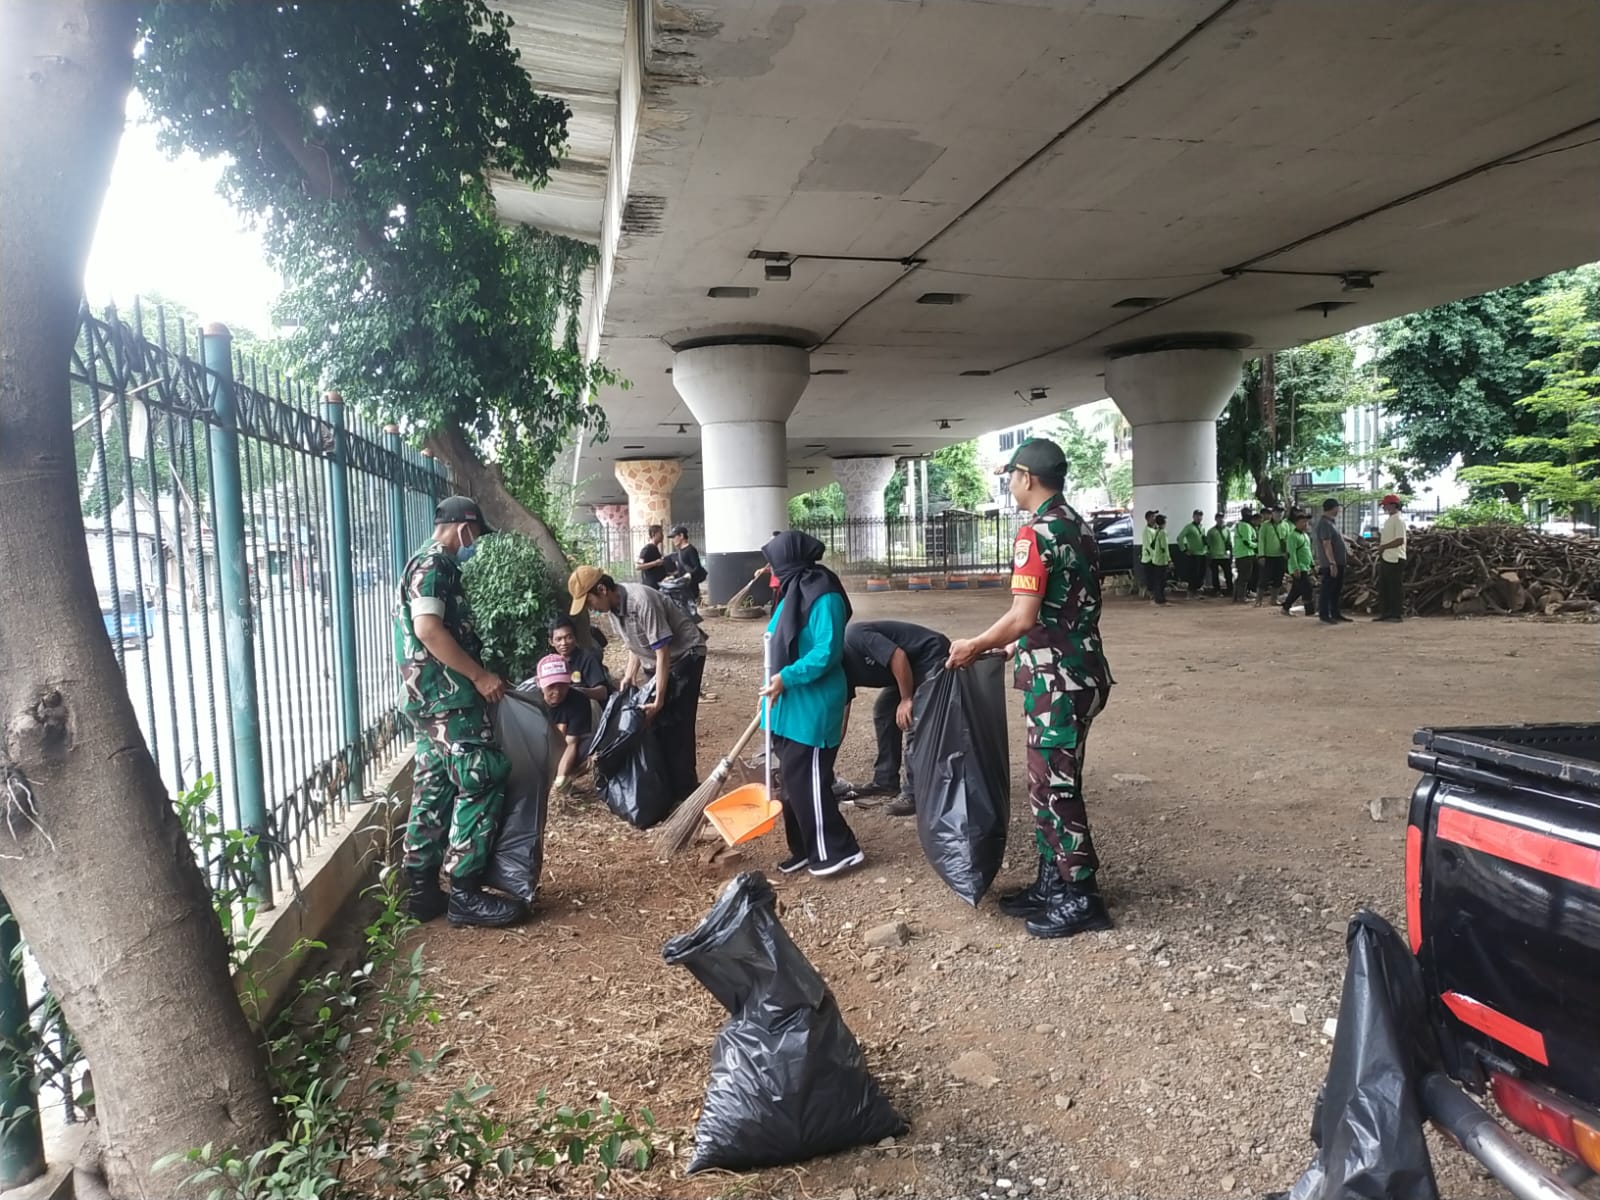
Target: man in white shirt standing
x=1391, y=563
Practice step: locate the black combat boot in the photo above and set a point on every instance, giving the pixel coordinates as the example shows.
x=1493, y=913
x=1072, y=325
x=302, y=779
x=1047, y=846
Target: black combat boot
x=1076, y=908
x=471, y=905
x=425, y=899
x=1024, y=902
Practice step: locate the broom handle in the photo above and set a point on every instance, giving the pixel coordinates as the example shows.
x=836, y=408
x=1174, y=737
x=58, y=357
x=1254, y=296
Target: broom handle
x=744, y=591
x=744, y=739
x=766, y=677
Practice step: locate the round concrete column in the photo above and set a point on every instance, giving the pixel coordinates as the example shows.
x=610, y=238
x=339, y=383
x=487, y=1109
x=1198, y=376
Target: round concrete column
x=613, y=520
x=741, y=395
x=649, y=483
x=862, y=480
x=1172, y=398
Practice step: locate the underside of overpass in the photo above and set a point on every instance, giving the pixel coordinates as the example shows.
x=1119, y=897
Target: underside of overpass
x=851, y=228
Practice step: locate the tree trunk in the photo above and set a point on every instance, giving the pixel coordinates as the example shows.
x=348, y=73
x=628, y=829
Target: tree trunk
x=485, y=483
x=92, y=858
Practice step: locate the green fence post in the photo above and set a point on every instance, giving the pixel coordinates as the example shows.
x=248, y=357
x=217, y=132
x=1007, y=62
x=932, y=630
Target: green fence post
x=238, y=640
x=21, y=1139
x=432, y=464
x=344, y=584
x=399, y=542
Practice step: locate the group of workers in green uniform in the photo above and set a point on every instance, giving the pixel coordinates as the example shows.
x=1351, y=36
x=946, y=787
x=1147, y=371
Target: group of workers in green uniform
x=817, y=661
x=1249, y=560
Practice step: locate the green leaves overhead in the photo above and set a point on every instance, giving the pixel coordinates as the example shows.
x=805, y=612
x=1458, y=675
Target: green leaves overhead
x=361, y=139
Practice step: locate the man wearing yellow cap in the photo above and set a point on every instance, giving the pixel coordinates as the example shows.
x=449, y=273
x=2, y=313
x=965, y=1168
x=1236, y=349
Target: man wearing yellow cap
x=664, y=645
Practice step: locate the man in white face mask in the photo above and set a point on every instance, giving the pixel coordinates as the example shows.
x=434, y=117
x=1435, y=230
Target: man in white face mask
x=460, y=773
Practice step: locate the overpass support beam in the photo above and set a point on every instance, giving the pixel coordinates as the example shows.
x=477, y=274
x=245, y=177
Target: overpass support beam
x=1173, y=398
x=741, y=393
x=862, y=480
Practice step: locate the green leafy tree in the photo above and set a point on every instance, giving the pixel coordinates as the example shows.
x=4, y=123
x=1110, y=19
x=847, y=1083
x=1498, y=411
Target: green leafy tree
x=1119, y=484
x=1561, y=464
x=515, y=595
x=1311, y=387
x=360, y=138
x=823, y=505
x=1455, y=374
x=955, y=480
x=1088, y=462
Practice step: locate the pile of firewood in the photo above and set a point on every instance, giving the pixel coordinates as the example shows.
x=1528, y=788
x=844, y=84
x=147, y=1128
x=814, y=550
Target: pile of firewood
x=1503, y=569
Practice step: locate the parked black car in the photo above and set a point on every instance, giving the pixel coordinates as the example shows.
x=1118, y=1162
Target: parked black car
x=1118, y=546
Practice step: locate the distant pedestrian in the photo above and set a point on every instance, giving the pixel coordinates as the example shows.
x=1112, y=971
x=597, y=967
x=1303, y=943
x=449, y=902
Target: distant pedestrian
x=1299, y=564
x=1219, y=556
x=1146, y=535
x=1332, y=557
x=1160, y=559
x=650, y=560
x=1244, y=556
x=1274, y=555
x=1192, y=544
x=1391, y=563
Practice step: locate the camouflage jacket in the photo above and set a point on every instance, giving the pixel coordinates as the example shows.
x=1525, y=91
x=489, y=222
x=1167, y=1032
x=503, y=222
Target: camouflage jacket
x=1055, y=558
x=431, y=586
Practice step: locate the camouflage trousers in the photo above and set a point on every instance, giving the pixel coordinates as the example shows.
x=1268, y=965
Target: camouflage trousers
x=460, y=785
x=1058, y=728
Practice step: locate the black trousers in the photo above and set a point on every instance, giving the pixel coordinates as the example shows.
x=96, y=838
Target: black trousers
x=1274, y=569
x=1391, y=590
x=1221, y=575
x=1328, y=595
x=811, y=819
x=1156, y=580
x=675, y=727
x=1300, y=589
x=892, y=744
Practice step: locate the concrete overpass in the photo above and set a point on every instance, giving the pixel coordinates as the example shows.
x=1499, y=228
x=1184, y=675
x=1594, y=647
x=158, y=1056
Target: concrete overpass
x=842, y=229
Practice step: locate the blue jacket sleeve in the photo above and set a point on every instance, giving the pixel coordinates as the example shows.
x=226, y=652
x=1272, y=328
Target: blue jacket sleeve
x=825, y=631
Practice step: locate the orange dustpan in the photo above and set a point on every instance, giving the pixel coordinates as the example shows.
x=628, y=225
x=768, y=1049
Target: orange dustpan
x=744, y=814
x=748, y=812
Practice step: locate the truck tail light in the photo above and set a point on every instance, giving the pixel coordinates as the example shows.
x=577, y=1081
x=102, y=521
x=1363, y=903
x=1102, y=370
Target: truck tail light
x=1550, y=1118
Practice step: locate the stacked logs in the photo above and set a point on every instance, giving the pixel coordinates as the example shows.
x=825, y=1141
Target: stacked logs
x=1496, y=569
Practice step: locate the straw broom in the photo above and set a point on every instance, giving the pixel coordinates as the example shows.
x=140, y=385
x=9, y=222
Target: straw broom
x=678, y=830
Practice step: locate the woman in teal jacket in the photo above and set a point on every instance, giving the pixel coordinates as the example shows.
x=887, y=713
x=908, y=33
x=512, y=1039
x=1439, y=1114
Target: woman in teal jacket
x=807, y=696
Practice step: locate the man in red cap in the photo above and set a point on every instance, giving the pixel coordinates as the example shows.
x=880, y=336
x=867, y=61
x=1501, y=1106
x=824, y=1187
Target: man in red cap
x=1391, y=563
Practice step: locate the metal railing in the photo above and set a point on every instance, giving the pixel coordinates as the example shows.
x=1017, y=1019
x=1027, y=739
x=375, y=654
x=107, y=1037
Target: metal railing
x=246, y=537
x=951, y=542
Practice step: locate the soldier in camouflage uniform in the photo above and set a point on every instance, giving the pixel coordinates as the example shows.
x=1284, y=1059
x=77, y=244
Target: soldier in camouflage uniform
x=1054, y=623
x=460, y=775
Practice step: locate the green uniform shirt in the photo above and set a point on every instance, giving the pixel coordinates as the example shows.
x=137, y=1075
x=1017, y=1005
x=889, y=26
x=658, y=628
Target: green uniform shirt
x=1192, y=539
x=1055, y=557
x=431, y=586
x=1285, y=528
x=1244, y=540
x=1271, y=540
x=1145, y=537
x=1299, y=551
x=1219, y=545
x=1160, y=552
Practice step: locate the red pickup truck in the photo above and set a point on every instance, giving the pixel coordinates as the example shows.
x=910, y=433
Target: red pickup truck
x=1503, y=918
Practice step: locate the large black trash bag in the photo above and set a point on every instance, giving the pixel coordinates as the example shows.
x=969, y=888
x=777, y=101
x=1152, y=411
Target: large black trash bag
x=523, y=730
x=1368, y=1123
x=628, y=763
x=960, y=774
x=788, y=1081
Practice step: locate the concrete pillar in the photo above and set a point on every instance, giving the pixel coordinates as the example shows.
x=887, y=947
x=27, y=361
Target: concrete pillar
x=649, y=483
x=613, y=519
x=741, y=394
x=862, y=480
x=1173, y=398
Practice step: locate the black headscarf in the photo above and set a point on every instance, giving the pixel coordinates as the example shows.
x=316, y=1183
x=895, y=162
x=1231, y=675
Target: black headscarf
x=802, y=581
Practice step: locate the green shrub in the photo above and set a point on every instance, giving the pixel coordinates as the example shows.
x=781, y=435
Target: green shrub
x=515, y=595
x=1481, y=512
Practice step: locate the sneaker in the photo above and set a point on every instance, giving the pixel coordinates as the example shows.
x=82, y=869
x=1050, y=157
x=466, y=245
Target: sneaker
x=795, y=862
x=1075, y=909
x=833, y=866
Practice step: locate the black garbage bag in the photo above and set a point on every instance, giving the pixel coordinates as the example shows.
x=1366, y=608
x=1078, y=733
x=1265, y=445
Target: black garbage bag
x=628, y=763
x=788, y=1081
x=960, y=775
x=1368, y=1123
x=523, y=729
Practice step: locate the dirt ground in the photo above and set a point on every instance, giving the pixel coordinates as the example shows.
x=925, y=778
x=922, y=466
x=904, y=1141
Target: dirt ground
x=1229, y=784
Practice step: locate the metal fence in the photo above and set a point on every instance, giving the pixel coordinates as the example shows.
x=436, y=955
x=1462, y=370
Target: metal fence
x=246, y=537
